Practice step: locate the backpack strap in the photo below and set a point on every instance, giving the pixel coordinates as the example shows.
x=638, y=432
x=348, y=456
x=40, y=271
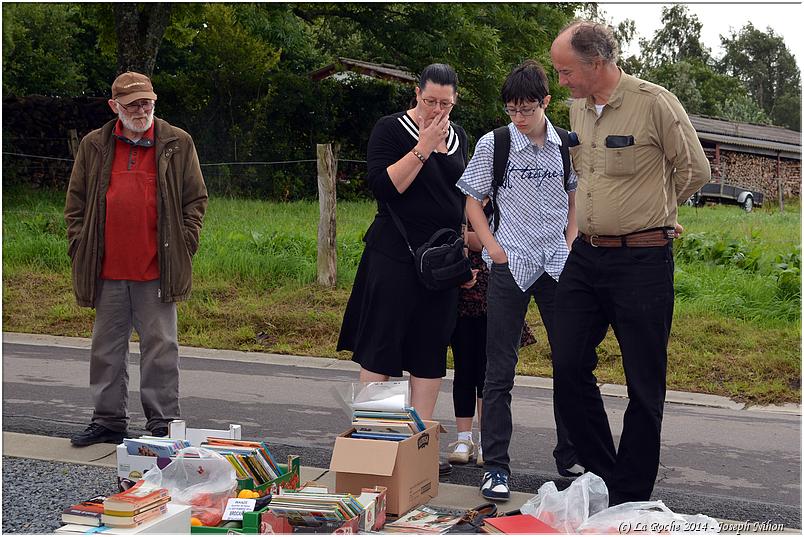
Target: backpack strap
x=502, y=148
x=564, y=149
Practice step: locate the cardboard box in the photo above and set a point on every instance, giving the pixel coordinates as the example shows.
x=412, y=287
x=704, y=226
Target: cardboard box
x=408, y=469
x=273, y=523
x=372, y=499
x=131, y=468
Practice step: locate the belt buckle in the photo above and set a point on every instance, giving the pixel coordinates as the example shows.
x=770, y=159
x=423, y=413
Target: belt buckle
x=592, y=240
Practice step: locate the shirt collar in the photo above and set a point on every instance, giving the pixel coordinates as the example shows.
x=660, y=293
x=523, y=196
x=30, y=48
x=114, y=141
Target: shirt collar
x=616, y=97
x=519, y=141
x=147, y=139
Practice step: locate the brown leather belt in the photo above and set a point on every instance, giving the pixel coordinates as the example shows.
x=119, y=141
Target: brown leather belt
x=640, y=239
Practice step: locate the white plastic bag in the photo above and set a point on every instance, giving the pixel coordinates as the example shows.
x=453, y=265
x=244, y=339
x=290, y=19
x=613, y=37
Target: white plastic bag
x=567, y=509
x=647, y=517
x=200, y=478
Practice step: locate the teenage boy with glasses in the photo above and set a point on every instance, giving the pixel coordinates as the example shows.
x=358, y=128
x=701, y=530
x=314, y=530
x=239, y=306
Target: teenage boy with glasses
x=534, y=229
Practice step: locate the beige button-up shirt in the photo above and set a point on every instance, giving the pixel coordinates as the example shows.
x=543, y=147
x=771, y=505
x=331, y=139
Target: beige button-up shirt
x=634, y=183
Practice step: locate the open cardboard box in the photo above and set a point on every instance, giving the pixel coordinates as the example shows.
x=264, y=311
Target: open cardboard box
x=408, y=469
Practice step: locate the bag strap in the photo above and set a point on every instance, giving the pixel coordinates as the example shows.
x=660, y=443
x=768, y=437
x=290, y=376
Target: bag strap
x=401, y=228
x=502, y=147
x=564, y=150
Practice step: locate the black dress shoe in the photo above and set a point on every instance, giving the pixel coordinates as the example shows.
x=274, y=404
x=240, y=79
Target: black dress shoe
x=444, y=468
x=97, y=434
x=160, y=431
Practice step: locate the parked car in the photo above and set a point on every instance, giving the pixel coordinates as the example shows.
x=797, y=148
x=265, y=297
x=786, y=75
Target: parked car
x=726, y=193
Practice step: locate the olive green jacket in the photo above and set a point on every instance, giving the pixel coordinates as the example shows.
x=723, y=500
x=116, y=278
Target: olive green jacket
x=181, y=203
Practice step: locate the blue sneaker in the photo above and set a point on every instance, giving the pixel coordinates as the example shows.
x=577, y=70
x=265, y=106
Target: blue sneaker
x=495, y=486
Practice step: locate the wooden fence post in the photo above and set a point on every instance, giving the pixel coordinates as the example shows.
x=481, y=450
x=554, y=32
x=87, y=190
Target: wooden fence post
x=780, y=188
x=327, y=246
x=73, y=142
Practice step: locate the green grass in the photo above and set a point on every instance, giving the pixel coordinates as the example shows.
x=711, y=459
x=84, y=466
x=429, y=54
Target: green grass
x=736, y=329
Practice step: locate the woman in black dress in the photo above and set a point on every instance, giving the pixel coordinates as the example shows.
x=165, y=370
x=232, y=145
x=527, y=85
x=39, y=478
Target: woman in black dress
x=392, y=322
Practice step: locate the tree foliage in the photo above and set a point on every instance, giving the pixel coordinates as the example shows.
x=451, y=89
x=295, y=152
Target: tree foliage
x=762, y=62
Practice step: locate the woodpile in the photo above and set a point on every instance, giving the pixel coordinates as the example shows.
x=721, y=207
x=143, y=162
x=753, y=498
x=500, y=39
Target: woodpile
x=759, y=172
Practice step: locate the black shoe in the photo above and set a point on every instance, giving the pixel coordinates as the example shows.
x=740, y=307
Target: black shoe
x=444, y=468
x=97, y=434
x=160, y=431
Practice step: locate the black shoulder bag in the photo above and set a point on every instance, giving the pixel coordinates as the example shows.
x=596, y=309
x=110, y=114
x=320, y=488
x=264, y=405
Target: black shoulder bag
x=502, y=148
x=440, y=262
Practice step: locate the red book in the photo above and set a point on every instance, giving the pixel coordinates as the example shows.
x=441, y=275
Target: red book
x=134, y=499
x=516, y=524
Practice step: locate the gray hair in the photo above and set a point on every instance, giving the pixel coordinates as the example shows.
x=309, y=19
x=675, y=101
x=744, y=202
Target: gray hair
x=593, y=41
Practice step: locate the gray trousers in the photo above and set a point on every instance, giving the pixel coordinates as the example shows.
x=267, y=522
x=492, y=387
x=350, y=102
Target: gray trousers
x=120, y=306
x=505, y=310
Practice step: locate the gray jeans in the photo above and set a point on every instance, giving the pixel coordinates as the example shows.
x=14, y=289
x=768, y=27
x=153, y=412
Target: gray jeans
x=120, y=306
x=506, y=309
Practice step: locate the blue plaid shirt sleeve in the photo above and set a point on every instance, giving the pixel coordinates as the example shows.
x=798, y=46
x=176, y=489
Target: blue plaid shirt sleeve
x=476, y=179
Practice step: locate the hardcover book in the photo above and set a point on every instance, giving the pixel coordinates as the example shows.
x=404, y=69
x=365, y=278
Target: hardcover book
x=87, y=512
x=516, y=524
x=134, y=520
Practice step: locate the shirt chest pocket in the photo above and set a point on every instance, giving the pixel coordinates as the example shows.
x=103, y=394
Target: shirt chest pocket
x=620, y=159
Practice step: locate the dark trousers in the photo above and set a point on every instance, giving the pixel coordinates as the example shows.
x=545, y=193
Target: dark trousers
x=506, y=308
x=631, y=290
x=469, y=353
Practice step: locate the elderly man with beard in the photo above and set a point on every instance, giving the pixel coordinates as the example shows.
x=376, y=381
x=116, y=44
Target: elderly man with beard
x=134, y=210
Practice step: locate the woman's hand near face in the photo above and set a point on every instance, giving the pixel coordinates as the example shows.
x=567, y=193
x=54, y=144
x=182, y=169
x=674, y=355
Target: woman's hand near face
x=432, y=134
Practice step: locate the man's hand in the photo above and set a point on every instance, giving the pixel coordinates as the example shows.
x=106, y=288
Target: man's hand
x=679, y=229
x=471, y=283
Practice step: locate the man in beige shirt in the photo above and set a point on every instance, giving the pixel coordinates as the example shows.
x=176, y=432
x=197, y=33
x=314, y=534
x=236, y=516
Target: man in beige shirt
x=637, y=158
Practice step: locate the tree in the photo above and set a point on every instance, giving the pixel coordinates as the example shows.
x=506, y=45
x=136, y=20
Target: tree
x=762, y=62
x=140, y=29
x=679, y=39
x=35, y=62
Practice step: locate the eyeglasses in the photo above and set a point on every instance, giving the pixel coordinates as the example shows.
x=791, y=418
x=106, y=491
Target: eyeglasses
x=526, y=112
x=146, y=106
x=446, y=105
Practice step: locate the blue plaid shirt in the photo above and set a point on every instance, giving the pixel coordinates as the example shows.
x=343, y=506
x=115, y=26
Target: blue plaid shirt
x=532, y=200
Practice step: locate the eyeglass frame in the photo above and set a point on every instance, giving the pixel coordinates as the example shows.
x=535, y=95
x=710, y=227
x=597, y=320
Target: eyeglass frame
x=508, y=111
x=444, y=106
x=150, y=103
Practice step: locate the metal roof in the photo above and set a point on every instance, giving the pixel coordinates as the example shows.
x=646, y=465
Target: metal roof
x=765, y=146
x=746, y=132
x=376, y=70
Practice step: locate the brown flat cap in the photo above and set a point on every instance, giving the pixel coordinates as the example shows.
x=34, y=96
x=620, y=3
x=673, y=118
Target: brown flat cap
x=131, y=86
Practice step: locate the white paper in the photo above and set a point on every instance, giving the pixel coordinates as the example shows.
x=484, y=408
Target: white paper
x=235, y=508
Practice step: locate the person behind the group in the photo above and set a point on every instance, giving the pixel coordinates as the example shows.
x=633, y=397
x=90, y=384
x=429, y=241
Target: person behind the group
x=638, y=158
x=526, y=254
x=392, y=323
x=468, y=344
x=134, y=210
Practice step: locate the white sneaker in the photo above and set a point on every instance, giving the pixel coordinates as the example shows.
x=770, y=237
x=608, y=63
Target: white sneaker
x=462, y=453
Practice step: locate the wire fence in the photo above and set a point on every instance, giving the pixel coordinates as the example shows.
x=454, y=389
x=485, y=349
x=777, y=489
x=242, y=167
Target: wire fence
x=283, y=180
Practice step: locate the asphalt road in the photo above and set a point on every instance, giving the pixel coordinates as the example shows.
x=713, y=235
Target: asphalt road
x=732, y=464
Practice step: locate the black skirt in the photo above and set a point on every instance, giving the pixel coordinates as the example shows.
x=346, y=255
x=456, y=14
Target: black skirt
x=393, y=323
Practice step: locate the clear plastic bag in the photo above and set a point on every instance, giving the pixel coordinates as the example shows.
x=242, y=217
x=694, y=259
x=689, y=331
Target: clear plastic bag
x=647, y=517
x=200, y=478
x=567, y=509
x=390, y=396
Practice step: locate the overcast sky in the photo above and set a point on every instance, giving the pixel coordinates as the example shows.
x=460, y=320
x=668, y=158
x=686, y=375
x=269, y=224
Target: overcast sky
x=718, y=19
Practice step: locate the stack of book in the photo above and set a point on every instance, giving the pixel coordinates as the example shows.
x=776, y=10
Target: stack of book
x=386, y=425
x=249, y=459
x=302, y=508
x=154, y=446
x=87, y=513
x=132, y=507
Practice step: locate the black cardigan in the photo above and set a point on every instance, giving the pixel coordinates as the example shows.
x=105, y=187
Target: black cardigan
x=430, y=203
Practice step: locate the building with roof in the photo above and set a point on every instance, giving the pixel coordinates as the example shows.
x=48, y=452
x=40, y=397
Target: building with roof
x=756, y=157
x=344, y=66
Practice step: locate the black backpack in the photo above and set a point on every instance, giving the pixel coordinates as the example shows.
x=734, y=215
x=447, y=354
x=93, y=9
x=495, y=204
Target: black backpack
x=502, y=148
